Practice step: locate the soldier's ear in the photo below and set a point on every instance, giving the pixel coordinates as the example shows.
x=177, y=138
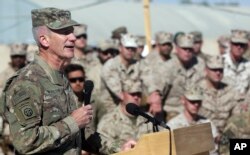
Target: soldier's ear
x=182, y=99
x=44, y=40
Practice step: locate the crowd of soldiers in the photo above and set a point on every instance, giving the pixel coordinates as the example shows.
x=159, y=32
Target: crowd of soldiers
x=176, y=82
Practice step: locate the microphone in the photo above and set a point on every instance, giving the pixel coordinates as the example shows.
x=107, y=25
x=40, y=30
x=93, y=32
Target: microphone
x=88, y=87
x=133, y=109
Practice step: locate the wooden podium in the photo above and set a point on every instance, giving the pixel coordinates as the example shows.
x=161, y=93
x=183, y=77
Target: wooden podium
x=194, y=140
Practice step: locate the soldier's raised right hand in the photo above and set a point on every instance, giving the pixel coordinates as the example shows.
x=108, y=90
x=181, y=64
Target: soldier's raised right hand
x=83, y=115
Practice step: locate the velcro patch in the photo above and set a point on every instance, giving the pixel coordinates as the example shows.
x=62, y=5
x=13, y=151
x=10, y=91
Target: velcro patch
x=20, y=96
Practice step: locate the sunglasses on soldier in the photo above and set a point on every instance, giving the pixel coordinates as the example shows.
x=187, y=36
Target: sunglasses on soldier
x=74, y=80
x=80, y=36
x=240, y=45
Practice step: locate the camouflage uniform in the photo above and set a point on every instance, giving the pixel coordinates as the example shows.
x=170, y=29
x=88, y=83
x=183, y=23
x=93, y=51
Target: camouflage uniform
x=181, y=121
x=175, y=79
x=218, y=104
x=113, y=75
x=198, y=38
x=51, y=119
x=16, y=49
x=37, y=102
x=119, y=127
x=238, y=76
x=194, y=93
x=238, y=126
x=94, y=73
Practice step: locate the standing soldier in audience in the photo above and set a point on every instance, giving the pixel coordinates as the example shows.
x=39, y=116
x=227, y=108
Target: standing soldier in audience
x=223, y=44
x=116, y=34
x=236, y=67
x=219, y=98
x=164, y=47
x=80, y=54
x=247, y=53
x=198, y=42
x=115, y=71
x=106, y=50
x=174, y=76
x=141, y=41
x=157, y=58
x=18, y=61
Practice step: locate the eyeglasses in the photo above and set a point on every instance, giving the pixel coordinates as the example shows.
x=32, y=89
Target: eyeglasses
x=74, y=80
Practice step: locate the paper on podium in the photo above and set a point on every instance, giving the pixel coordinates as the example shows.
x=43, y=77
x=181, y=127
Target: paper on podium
x=193, y=140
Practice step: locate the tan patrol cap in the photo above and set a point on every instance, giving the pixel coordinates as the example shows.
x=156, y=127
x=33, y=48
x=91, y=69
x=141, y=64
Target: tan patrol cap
x=163, y=37
x=53, y=18
x=106, y=44
x=214, y=62
x=128, y=40
x=239, y=36
x=197, y=36
x=224, y=40
x=140, y=40
x=185, y=41
x=18, y=49
x=80, y=30
x=194, y=93
x=132, y=86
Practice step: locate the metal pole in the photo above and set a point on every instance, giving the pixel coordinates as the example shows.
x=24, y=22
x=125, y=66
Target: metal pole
x=147, y=23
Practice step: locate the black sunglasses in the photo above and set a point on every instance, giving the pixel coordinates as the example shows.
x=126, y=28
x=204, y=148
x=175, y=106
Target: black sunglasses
x=83, y=35
x=195, y=101
x=240, y=44
x=73, y=80
x=132, y=49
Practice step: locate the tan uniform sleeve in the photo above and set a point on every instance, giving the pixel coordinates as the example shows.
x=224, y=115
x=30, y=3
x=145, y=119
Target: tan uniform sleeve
x=111, y=79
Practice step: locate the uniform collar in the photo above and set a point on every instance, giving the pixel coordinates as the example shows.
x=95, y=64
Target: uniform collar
x=56, y=77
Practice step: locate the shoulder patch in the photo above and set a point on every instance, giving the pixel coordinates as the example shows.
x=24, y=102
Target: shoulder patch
x=20, y=96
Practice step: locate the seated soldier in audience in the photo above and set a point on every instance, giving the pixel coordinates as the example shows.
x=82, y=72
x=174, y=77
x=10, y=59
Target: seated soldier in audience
x=192, y=101
x=121, y=126
x=219, y=98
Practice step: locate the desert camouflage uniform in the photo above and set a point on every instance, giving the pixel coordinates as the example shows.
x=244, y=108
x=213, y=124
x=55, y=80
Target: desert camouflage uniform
x=237, y=76
x=147, y=67
x=218, y=104
x=173, y=79
x=180, y=121
x=119, y=127
x=38, y=103
x=113, y=76
x=4, y=75
x=238, y=126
